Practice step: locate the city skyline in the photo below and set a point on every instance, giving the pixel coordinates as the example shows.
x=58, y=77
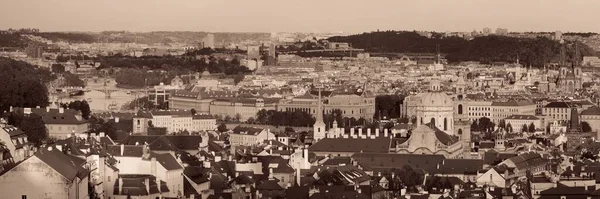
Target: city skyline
x=354, y=16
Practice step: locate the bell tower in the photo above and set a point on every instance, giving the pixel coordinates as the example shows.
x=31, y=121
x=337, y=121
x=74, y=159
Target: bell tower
x=319, y=126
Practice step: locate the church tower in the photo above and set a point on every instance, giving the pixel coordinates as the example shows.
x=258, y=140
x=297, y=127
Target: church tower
x=319, y=126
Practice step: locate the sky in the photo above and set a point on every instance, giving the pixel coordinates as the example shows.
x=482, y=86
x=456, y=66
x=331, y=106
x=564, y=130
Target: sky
x=351, y=16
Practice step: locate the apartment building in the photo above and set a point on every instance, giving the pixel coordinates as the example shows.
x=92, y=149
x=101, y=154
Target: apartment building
x=173, y=120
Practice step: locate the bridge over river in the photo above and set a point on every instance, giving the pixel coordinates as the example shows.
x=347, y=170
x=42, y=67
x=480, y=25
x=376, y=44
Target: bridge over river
x=100, y=96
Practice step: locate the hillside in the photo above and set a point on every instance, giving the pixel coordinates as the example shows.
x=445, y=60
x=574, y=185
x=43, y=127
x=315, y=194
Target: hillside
x=534, y=51
x=21, y=40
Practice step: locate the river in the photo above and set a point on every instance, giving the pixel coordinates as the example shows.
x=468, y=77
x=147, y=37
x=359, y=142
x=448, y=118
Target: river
x=97, y=100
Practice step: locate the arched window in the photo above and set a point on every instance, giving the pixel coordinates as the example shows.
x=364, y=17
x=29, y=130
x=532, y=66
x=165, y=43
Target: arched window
x=138, y=122
x=445, y=124
x=459, y=131
x=460, y=109
x=432, y=121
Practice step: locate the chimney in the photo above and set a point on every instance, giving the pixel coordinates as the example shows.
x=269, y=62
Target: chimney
x=369, y=133
x=61, y=110
x=47, y=109
x=271, y=173
x=352, y=134
x=120, y=185
x=122, y=149
x=11, y=109
x=377, y=132
x=360, y=133
x=26, y=111
x=37, y=106
x=116, y=119
x=147, y=183
x=230, y=158
x=305, y=152
x=385, y=132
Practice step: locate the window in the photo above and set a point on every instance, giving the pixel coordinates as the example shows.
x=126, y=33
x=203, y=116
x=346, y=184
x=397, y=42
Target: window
x=445, y=124
x=460, y=109
x=23, y=196
x=109, y=178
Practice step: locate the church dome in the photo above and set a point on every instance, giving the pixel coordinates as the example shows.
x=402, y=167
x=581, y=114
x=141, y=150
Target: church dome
x=205, y=73
x=436, y=99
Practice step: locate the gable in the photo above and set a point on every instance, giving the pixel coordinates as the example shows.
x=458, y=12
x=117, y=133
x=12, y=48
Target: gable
x=33, y=170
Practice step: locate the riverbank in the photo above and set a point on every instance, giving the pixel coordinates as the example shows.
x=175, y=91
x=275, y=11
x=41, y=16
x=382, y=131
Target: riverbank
x=128, y=86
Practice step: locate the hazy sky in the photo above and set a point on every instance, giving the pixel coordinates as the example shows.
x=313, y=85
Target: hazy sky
x=300, y=15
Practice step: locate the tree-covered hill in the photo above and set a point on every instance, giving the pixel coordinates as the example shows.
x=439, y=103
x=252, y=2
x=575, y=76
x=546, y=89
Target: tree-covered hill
x=530, y=51
x=22, y=84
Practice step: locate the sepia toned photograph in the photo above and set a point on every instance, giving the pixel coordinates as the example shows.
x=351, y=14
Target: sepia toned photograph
x=299, y=99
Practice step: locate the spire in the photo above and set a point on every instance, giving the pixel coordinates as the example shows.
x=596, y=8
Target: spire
x=319, y=126
x=319, y=118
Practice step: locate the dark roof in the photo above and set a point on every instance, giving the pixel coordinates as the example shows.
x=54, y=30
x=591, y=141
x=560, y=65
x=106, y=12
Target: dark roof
x=460, y=166
x=557, y=105
x=168, y=161
x=246, y=130
x=377, y=145
x=53, y=116
x=591, y=111
x=135, y=185
x=339, y=195
x=269, y=185
x=526, y=160
x=337, y=161
x=442, y=136
x=386, y=161
x=492, y=157
x=128, y=150
x=166, y=142
x=67, y=165
x=197, y=174
x=522, y=117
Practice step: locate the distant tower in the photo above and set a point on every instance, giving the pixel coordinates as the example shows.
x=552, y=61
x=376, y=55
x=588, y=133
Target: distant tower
x=499, y=142
x=319, y=126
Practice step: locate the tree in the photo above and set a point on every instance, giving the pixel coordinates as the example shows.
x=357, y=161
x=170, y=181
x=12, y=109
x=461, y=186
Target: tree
x=502, y=124
x=238, y=78
x=150, y=123
x=81, y=106
x=509, y=127
x=238, y=117
x=34, y=127
x=585, y=127
x=193, y=111
x=58, y=68
x=531, y=128
x=227, y=118
x=524, y=128
x=250, y=120
x=222, y=127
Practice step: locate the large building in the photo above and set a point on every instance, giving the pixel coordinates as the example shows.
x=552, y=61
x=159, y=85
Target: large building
x=434, y=107
x=60, y=122
x=173, y=121
x=352, y=104
x=15, y=140
x=248, y=136
x=50, y=173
